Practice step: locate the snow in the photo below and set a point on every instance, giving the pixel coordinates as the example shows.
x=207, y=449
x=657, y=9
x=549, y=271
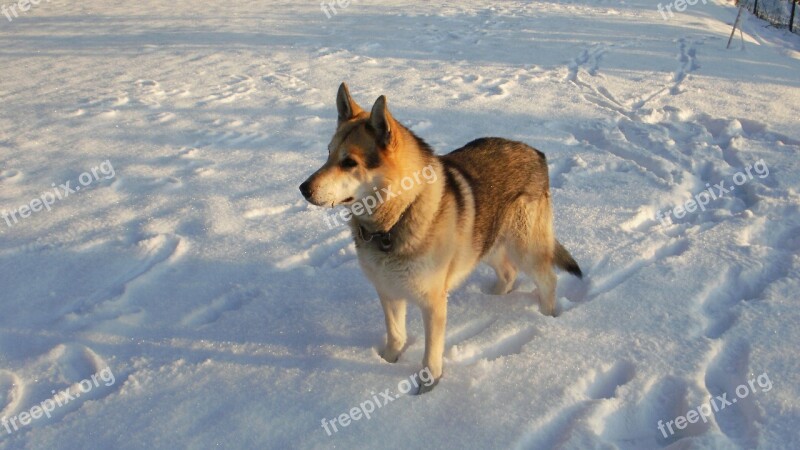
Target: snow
x=232, y=316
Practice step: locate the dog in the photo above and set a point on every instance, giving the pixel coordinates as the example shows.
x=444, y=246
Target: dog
x=490, y=202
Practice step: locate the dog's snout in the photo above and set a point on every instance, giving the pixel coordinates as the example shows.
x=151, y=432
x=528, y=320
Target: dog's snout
x=305, y=189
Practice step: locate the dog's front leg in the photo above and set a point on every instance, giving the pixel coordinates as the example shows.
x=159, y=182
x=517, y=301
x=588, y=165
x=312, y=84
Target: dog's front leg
x=434, y=315
x=395, y=314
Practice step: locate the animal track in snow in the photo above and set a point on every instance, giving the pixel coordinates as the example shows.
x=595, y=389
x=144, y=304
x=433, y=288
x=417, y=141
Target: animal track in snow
x=235, y=88
x=286, y=82
x=148, y=93
x=588, y=60
x=686, y=151
x=225, y=304
x=471, y=329
x=556, y=429
x=494, y=342
x=75, y=362
x=688, y=63
x=11, y=392
x=63, y=369
x=609, y=138
x=632, y=424
x=561, y=167
x=727, y=370
x=721, y=303
x=105, y=105
x=332, y=252
x=193, y=164
x=606, y=383
x=10, y=176
x=472, y=85
x=670, y=249
x=587, y=404
x=109, y=302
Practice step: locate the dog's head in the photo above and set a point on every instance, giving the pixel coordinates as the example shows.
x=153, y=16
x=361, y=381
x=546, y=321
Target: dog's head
x=362, y=155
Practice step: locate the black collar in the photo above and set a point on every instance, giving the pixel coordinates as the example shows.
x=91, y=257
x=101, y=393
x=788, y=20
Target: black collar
x=384, y=241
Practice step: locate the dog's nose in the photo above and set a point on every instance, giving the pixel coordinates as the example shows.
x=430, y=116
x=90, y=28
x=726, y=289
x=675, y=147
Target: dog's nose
x=305, y=189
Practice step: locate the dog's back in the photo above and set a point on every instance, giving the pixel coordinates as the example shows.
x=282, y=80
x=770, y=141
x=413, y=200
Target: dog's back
x=499, y=172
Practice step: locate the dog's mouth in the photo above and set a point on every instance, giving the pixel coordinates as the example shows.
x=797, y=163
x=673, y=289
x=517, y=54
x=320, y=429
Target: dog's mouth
x=334, y=204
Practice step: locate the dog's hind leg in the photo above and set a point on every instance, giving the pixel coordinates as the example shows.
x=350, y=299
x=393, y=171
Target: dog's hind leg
x=533, y=247
x=545, y=279
x=506, y=272
x=395, y=314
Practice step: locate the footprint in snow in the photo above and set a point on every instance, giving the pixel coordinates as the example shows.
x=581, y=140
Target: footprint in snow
x=227, y=303
x=491, y=342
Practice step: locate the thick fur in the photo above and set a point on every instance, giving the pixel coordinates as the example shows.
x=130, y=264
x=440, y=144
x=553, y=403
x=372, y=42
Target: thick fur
x=490, y=202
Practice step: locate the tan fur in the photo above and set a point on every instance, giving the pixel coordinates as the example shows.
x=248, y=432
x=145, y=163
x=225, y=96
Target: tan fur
x=490, y=202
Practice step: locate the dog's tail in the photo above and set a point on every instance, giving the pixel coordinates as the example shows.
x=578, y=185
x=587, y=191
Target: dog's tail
x=565, y=261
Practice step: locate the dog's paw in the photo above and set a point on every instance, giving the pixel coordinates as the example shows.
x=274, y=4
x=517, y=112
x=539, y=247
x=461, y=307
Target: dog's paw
x=425, y=388
x=549, y=311
x=390, y=355
x=501, y=287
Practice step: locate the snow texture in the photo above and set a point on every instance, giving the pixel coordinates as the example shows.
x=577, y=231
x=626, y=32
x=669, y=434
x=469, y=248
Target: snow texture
x=233, y=317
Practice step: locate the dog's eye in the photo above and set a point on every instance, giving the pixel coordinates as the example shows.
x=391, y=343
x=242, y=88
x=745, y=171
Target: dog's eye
x=348, y=163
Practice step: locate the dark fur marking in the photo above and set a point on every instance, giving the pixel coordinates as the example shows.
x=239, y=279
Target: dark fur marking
x=380, y=142
x=347, y=133
x=565, y=261
x=372, y=159
x=453, y=186
x=421, y=143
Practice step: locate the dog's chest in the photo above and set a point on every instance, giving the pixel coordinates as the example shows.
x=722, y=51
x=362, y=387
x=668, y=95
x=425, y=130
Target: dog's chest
x=399, y=276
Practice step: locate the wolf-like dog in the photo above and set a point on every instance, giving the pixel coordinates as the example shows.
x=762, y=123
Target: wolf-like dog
x=490, y=202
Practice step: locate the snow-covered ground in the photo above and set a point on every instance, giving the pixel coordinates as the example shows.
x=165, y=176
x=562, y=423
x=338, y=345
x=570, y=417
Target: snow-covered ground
x=216, y=309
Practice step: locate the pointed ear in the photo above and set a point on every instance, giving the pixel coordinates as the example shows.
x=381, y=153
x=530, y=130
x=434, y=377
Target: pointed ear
x=347, y=107
x=381, y=122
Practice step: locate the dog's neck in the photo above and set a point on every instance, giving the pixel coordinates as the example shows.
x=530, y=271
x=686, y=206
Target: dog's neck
x=390, y=225
x=414, y=208
x=389, y=213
